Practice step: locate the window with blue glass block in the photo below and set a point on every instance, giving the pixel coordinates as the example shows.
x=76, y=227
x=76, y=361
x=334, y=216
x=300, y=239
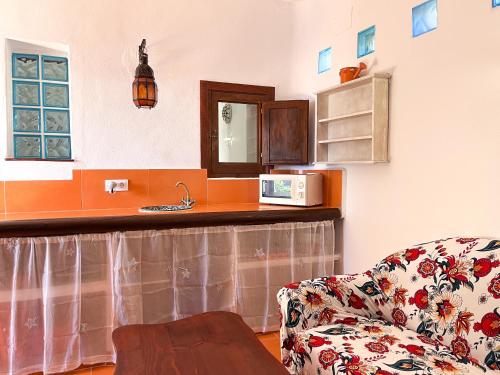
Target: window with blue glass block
x=366, y=41
x=40, y=107
x=325, y=60
x=424, y=18
x=496, y=3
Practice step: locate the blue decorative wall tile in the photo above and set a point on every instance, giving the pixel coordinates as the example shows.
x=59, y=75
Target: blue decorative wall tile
x=27, y=146
x=325, y=60
x=25, y=93
x=424, y=18
x=55, y=95
x=366, y=41
x=496, y=3
x=54, y=68
x=27, y=120
x=24, y=66
x=57, y=147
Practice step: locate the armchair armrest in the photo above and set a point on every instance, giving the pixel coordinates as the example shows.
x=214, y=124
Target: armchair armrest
x=312, y=303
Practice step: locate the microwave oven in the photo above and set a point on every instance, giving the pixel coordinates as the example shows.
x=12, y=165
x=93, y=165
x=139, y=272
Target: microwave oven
x=291, y=189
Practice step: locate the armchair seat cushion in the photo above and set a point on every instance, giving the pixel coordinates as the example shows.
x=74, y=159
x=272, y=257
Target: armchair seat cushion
x=357, y=345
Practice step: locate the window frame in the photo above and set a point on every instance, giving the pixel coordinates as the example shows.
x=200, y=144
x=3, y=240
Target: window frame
x=42, y=82
x=210, y=94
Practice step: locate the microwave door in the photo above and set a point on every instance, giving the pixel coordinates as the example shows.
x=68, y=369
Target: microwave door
x=266, y=188
x=277, y=191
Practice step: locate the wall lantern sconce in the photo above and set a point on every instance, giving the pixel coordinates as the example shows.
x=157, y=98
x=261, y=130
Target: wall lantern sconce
x=144, y=89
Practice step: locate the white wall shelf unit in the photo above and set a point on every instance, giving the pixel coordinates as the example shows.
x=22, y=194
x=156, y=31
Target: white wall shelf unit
x=352, y=121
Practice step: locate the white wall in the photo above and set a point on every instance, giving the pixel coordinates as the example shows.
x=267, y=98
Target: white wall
x=443, y=178
x=243, y=41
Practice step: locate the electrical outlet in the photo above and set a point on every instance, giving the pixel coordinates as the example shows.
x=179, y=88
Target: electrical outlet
x=113, y=186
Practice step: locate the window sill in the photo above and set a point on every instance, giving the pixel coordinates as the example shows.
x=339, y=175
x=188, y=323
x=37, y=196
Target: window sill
x=39, y=159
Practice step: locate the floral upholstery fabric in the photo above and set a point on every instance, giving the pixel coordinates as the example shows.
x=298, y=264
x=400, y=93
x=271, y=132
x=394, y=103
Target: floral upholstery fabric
x=430, y=309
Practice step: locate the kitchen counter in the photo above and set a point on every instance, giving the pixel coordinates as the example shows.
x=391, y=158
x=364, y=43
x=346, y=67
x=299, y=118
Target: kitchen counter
x=35, y=224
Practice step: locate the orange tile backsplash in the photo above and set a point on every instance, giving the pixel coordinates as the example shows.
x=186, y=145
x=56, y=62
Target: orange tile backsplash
x=162, y=185
x=25, y=196
x=233, y=191
x=146, y=187
x=94, y=196
x=2, y=197
x=334, y=188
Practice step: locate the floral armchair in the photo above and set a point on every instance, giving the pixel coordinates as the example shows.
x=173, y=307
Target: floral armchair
x=430, y=309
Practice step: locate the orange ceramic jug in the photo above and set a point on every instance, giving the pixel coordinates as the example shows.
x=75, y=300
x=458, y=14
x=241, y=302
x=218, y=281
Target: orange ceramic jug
x=351, y=72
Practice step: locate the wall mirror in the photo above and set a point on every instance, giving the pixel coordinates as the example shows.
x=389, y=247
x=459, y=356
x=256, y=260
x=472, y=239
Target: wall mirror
x=237, y=132
x=231, y=128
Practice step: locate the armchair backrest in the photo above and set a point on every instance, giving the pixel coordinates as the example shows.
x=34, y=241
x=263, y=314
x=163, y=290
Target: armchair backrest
x=447, y=290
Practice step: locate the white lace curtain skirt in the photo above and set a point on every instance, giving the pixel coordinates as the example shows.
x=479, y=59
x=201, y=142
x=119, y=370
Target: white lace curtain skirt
x=61, y=297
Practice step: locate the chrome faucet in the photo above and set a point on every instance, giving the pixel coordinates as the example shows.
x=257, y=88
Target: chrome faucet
x=187, y=201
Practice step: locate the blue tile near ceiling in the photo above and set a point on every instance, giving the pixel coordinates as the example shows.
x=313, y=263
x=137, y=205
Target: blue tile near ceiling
x=325, y=60
x=366, y=41
x=424, y=18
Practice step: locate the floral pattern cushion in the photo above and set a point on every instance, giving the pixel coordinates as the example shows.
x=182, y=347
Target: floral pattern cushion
x=446, y=292
x=356, y=345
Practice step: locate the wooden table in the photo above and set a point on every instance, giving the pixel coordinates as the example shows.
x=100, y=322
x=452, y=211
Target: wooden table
x=210, y=343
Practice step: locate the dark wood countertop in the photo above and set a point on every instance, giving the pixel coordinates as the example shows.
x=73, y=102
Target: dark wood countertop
x=101, y=221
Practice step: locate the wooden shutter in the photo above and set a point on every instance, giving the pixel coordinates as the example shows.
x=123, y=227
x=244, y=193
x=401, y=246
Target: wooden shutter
x=285, y=132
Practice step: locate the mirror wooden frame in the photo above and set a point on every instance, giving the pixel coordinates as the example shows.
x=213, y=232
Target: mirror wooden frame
x=211, y=93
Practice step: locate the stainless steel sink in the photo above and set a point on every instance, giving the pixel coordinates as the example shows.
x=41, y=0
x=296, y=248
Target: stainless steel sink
x=187, y=203
x=179, y=207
